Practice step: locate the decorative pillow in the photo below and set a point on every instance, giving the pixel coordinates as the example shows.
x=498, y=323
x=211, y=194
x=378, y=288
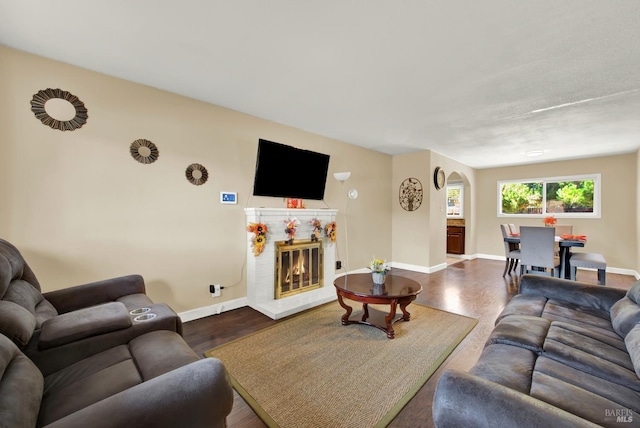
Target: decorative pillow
x=16, y=323
x=633, y=347
x=625, y=314
x=634, y=293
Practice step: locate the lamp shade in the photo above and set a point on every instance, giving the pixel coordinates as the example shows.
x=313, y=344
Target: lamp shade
x=342, y=176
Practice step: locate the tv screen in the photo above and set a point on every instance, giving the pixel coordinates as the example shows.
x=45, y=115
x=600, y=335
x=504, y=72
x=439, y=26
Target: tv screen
x=289, y=172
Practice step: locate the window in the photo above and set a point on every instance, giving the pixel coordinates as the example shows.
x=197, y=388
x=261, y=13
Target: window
x=455, y=199
x=576, y=196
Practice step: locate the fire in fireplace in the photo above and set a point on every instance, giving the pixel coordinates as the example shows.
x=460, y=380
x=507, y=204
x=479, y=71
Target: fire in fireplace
x=299, y=267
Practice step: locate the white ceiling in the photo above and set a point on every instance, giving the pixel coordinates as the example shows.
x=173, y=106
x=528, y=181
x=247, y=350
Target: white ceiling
x=481, y=82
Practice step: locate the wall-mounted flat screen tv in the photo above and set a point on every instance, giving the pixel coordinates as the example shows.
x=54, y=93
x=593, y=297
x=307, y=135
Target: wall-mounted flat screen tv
x=288, y=172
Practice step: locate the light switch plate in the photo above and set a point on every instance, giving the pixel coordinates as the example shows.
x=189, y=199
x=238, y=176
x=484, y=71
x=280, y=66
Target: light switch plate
x=228, y=197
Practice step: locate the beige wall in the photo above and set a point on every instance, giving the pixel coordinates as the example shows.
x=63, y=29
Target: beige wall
x=410, y=242
x=420, y=236
x=614, y=234
x=81, y=209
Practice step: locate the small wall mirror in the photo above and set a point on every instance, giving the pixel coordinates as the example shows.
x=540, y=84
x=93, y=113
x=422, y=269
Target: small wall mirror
x=144, y=151
x=197, y=174
x=59, y=109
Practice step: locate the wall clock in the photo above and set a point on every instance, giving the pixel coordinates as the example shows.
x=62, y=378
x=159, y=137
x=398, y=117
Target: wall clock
x=38, y=104
x=410, y=194
x=439, y=178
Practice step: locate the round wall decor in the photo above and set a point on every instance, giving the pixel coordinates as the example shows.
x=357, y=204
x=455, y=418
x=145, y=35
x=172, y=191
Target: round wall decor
x=196, y=174
x=38, y=108
x=439, y=178
x=144, y=151
x=411, y=194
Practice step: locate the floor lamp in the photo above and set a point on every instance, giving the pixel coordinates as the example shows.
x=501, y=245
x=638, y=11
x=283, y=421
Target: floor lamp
x=351, y=194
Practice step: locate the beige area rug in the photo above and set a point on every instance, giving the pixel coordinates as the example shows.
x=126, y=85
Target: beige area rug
x=311, y=371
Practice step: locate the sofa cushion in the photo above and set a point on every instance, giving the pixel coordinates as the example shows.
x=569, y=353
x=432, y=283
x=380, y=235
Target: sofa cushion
x=110, y=372
x=578, y=393
x=574, y=348
x=16, y=323
x=516, y=375
x=595, y=365
x=83, y=323
x=21, y=386
x=527, y=332
x=556, y=310
x=625, y=314
x=23, y=294
x=150, y=353
x=632, y=340
x=522, y=304
x=634, y=292
x=86, y=382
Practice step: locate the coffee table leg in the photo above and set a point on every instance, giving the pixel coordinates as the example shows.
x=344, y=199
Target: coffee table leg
x=389, y=319
x=406, y=316
x=349, y=309
x=365, y=311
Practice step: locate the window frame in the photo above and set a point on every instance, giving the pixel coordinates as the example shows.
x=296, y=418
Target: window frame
x=459, y=185
x=597, y=199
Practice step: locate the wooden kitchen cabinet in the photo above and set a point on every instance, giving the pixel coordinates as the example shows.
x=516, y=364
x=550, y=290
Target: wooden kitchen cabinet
x=455, y=239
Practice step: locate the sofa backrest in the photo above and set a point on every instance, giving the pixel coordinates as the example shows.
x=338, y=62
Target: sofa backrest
x=22, y=385
x=23, y=308
x=625, y=313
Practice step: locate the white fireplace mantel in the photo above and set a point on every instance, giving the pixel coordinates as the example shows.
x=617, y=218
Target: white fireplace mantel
x=261, y=268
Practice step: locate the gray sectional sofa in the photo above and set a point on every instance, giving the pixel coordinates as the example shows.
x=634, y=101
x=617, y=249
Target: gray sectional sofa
x=85, y=357
x=562, y=354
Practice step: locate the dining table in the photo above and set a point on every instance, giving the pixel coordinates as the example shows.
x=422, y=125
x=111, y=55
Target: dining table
x=565, y=242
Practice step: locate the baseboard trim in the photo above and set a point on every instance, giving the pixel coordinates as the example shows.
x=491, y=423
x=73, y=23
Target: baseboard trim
x=216, y=309
x=418, y=268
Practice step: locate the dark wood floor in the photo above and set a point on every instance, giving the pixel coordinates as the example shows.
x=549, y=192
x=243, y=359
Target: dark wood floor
x=474, y=288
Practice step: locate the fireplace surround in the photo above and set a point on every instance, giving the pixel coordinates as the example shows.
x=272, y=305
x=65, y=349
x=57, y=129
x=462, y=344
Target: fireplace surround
x=261, y=269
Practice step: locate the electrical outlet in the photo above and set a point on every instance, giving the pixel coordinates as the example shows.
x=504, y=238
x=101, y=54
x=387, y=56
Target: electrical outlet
x=215, y=289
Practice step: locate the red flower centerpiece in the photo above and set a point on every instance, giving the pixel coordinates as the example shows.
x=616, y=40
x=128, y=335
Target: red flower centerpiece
x=550, y=221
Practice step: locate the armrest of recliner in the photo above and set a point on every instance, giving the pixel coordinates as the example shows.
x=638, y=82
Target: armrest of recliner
x=196, y=395
x=579, y=293
x=83, y=323
x=462, y=399
x=95, y=293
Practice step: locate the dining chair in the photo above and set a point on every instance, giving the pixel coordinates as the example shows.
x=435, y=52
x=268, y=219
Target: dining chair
x=537, y=251
x=511, y=251
x=562, y=229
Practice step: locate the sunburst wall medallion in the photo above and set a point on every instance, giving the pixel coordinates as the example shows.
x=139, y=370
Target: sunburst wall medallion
x=197, y=174
x=411, y=194
x=38, y=108
x=144, y=151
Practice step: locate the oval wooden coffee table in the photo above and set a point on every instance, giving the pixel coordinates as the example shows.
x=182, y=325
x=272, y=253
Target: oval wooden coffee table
x=359, y=287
